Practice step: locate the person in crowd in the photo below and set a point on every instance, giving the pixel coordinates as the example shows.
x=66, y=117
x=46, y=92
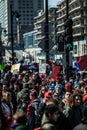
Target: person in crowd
x=19, y=121
x=42, y=92
x=58, y=91
x=32, y=108
x=7, y=106
x=75, y=114
x=25, y=79
x=66, y=104
x=83, y=123
x=5, y=87
x=20, y=78
x=4, y=125
x=32, y=96
x=50, y=117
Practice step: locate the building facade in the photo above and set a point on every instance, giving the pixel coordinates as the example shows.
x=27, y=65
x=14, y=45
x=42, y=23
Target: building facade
x=27, y=9
x=40, y=24
x=78, y=13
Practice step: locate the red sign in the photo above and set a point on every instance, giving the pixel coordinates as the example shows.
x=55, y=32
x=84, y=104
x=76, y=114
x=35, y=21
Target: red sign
x=55, y=71
x=82, y=62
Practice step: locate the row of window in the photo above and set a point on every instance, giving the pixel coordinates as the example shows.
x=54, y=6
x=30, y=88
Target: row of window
x=84, y=49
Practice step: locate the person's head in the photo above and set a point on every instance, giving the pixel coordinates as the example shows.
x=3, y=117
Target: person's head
x=42, y=91
x=51, y=101
x=58, y=89
x=17, y=86
x=47, y=96
x=25, y=78
x=33, y=94
x=85, y=90
x=68, y=87
x=52, y=112
x=67, y=95
x=7, y=96
x=20, y=117
x=76, y=99
x=4, y=87
x=20, y=77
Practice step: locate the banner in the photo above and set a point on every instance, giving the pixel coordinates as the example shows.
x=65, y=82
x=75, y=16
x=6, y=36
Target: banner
x=15, y=68
x=55, y=71
x=42, y=68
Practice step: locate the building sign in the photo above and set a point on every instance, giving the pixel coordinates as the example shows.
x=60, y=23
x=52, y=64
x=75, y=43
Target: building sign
x=42, y=68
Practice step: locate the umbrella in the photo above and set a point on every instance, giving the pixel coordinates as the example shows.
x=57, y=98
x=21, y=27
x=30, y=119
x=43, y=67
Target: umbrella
x=32, y=67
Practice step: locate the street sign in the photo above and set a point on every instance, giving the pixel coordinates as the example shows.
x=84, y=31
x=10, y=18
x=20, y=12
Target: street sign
x=42, y=44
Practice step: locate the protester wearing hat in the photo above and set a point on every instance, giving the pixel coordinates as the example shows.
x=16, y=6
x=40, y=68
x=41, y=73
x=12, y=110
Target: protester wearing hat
x=83, y=124
x=58, y=91
x=51, y=88
x=68, y=87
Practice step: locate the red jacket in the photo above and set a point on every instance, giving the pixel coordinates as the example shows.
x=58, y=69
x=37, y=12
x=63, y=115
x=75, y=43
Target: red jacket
x=28, y=107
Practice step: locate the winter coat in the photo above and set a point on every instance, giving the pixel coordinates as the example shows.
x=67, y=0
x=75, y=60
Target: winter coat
x=47, y=124
x=81, y=126
x=62, y=122
x=75, y=116
x=19, y=127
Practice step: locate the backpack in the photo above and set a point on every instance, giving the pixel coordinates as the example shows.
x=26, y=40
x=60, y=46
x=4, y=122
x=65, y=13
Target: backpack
x=23, y=100
x=34, y=118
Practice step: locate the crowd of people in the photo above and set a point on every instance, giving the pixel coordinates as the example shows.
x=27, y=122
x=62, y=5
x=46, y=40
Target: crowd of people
x=33, y=101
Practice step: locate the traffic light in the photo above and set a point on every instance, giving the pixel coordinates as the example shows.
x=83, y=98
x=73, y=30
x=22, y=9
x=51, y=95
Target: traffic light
x=68, y=34
x=60, y=43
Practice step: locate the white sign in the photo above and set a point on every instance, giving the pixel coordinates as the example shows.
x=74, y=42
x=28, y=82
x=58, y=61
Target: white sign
x=15, y=68
x=42, y=68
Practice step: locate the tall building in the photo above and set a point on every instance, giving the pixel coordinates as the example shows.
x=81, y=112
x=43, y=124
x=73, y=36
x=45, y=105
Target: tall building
x=27, y=9
x=40, y=26
x=78, y=13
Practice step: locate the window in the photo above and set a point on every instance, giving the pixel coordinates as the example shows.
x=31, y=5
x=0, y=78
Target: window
x=75, y=49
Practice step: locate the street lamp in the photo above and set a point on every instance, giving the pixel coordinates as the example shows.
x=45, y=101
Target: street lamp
x=12, y=13
x=46, y=34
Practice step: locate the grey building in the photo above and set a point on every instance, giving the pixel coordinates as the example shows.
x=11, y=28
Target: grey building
x=27, y=9
x=78, y=13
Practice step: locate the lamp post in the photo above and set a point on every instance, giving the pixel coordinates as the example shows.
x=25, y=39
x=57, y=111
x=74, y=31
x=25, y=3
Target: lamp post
x=67, y=51
x=46, y=35
x=12, y=13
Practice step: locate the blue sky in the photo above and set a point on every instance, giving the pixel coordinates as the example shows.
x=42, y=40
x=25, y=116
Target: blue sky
x=53, y=2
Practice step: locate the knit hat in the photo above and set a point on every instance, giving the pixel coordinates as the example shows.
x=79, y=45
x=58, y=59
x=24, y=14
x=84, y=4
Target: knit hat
x=71, y=81
x=59, y=86
x=52, y=87
x=68, y=87
x=48, y=95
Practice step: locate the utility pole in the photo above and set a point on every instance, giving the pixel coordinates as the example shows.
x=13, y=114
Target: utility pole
x=0, y=49
x=46, y=32
x=46, y=35
x=12, y=42
x=67, y=51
